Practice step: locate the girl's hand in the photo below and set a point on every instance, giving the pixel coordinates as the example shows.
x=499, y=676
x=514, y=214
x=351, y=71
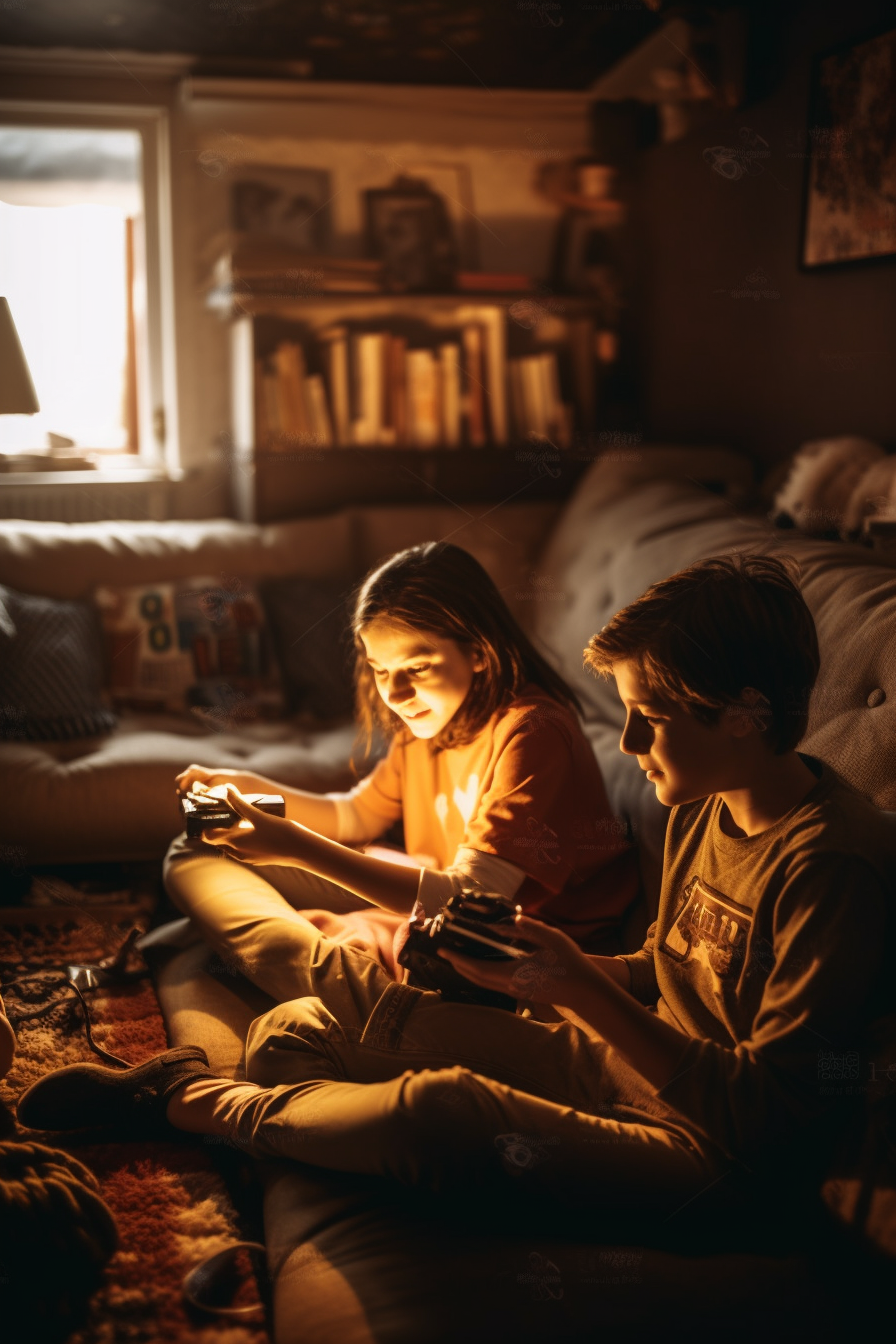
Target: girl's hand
x=258, y=838
x=549, y=975
x=244, y=780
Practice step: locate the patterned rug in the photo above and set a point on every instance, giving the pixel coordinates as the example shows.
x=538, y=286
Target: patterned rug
x=170, y=1200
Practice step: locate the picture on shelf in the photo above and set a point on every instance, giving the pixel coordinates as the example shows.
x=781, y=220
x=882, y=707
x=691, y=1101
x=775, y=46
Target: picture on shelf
x=284, y=205
x=453, y=182
x=408, y=228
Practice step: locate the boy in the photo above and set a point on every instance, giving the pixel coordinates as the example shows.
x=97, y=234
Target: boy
x=696, y=1058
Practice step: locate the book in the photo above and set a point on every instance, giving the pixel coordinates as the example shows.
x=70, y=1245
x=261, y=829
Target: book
x=271, y=397
x=473, y=394
x=449, y=361
x=493, y=365
x=335, y=340
x=424, y=410
x=367, y=369
x=397, y=385
x=289, y=362
x=318, y=411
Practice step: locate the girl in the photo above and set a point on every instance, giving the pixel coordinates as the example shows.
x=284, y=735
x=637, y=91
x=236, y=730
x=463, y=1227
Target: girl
x=488, y=770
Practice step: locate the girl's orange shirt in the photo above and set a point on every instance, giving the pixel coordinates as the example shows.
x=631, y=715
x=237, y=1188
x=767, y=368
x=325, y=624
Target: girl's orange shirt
x=527, y=789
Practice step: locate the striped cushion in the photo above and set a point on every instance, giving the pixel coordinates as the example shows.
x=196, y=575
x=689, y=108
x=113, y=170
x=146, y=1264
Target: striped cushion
x=50, y=669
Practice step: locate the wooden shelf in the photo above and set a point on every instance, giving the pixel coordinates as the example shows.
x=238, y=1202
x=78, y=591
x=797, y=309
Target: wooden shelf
x=270, y=487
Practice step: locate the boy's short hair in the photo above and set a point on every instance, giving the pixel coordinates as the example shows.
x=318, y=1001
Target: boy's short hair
x=703, y=635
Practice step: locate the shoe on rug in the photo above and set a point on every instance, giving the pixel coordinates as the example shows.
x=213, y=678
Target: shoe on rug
x=88, y=1096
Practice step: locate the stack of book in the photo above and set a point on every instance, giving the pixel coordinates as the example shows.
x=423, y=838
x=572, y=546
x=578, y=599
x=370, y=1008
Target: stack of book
x=247, y=269
x=377, y=391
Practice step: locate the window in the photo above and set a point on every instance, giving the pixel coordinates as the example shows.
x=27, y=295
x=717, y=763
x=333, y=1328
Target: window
x=84, y=256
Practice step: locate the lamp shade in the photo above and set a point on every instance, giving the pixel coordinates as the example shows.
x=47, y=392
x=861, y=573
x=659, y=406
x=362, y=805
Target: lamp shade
x=17, y=394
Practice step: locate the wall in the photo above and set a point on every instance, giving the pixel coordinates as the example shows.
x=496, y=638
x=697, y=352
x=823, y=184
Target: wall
x=813, y=354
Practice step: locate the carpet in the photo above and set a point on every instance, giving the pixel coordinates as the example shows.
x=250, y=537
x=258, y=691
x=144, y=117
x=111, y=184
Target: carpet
x=170, y=1200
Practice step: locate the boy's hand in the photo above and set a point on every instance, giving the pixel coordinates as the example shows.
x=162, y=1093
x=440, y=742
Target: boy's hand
x=244, y=780
x=549, y=975
x=258, y=838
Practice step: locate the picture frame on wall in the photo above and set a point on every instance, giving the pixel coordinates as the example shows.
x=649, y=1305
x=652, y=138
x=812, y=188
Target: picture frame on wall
x=850, y=200
x=284, y=205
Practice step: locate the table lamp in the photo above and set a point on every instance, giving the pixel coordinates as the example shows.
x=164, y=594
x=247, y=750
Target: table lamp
x=17, y=394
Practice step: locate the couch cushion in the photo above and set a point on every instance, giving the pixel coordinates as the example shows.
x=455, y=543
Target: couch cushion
x=200, y=644
x=71, y=559
x=50, y=669
x=113, y=798
x=611, y=546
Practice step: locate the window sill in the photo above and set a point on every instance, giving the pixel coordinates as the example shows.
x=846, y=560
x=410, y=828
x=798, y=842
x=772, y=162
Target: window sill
x=117, y=476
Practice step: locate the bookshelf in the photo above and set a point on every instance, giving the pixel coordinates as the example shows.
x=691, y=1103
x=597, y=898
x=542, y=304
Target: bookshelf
x=358, y=398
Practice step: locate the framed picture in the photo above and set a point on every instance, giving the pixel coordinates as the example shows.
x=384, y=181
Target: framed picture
x=284, y=205
x=407, y=227
x=454, y=183
x=850, y=209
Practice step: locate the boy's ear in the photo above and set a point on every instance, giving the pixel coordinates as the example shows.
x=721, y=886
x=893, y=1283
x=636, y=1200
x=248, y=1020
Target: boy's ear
x=750, y=714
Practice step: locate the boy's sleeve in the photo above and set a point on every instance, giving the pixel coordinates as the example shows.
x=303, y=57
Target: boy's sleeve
x=829, y=943
x=641, y=968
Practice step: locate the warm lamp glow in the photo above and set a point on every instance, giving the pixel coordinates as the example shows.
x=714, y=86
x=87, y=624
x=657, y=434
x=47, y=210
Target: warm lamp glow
x=17, y=394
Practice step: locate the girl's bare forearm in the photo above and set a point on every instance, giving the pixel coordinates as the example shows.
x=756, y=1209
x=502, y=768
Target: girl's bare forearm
x=392, y=886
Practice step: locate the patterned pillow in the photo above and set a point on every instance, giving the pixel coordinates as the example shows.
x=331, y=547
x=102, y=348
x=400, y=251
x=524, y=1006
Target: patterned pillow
x=51, y=667
x=199, y=644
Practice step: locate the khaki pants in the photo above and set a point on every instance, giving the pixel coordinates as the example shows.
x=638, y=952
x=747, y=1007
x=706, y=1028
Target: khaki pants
x=358, y=1073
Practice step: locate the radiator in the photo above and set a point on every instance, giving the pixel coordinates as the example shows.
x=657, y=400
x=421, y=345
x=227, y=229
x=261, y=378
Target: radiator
x=80, y=502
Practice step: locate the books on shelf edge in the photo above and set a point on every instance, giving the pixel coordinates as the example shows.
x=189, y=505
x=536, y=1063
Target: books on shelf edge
x=319, y=413
x=397, y=389
x=424, y=409
x=473, y=393
x=449, y=368
x=493, y=367
x=335, y=342
x=367, y=391
x=289, y=362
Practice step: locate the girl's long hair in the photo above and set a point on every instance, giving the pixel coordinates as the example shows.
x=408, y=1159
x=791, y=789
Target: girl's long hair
x=440, y=589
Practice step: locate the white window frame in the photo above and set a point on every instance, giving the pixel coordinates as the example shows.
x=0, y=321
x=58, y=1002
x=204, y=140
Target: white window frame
x=157, y=408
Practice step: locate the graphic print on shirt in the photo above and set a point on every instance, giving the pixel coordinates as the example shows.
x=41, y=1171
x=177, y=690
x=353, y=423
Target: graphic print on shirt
x=464, y=801
x=711, y=928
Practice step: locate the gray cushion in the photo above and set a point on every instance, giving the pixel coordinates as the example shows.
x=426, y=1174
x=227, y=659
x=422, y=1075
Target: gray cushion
x=51, y=669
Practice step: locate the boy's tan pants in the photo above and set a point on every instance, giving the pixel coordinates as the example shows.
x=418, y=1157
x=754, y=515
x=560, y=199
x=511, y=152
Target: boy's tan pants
x=358, y=1073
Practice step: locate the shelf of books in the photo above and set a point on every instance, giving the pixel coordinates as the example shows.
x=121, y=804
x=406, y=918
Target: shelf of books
x=360, y=398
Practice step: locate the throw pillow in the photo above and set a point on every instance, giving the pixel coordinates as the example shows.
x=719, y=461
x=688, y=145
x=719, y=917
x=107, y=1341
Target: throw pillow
x=198, y=644
x=310, y=626
x=51, y=668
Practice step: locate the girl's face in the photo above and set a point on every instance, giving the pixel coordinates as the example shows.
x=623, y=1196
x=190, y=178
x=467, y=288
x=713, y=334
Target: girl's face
x=422, y=677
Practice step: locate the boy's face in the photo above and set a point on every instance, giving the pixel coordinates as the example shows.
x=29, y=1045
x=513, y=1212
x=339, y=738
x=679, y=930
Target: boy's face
x=684, y=759
x=423, y=678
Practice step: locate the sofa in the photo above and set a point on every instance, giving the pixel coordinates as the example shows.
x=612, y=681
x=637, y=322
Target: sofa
x=359, y=1261
x=110, y=797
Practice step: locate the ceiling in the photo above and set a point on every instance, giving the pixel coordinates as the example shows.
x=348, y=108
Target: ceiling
x=536, y=44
